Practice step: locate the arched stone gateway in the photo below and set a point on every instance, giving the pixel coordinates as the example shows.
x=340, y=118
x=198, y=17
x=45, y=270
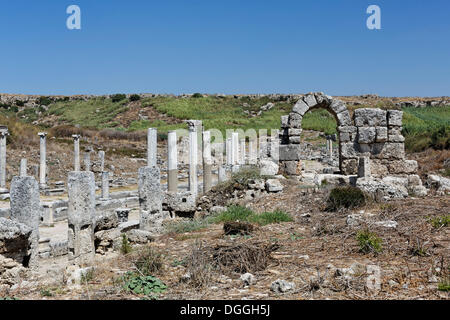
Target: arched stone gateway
x=371, y=133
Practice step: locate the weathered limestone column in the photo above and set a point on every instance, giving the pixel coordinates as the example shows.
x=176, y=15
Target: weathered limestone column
x=193, y=159
x=253, y=152
x=80, y=216
x=101, y=155
x=26, y=209
x=76, y=150
x=23, y=167
x=87, y=160
x=242, y=151
x=152, y=143
x=49, y=214
x=3, y=135
x=105, y=185
x=229, y=152
x=207, y=162
x=222, y=173
x=364, y=167
x=42, y=159
x=172, y=162
x=150, y=199
x=235, y=147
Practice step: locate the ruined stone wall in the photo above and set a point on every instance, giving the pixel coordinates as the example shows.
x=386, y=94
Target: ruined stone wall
x=371, y=132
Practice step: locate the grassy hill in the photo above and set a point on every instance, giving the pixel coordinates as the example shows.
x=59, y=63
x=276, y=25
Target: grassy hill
x=423, y=127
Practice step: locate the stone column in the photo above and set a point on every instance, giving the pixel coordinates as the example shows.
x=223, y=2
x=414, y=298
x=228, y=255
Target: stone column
x=26, y=209
x=105, y=185
x=222, y=174
x=3, y=135
x=229, y=152
x=235, y=147
x=23, y=167
x=42, y=159
x=150, y=199
x=80, y=216
x=101, y=155
x=49, y=214
x=242, y=151
x=152, y=143
x=172, y=162
x=76, y=150
x=364, y=167
x=207, y=162
x=87, y=160
x=193, y=159
x=253, y=151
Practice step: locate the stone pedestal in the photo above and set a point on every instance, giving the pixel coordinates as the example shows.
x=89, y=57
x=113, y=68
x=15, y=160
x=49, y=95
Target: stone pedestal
x=150, y=199
x=26, y=209
x=80, y=216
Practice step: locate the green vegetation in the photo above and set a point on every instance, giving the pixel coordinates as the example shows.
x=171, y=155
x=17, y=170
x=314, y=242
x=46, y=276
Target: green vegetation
x=125, y=247
x=138, y=284
x=345, y=197
x=369, y=242
x=148, y=261
x=444, y=284
x=118, y=97
x=184, y=226
x=426, y=128
x=239, y=213
x=441, y=221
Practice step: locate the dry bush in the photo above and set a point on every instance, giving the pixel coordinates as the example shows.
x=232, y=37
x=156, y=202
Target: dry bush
x=122, y=135
x=242, y=258
x=199, y=267
x=147, y=261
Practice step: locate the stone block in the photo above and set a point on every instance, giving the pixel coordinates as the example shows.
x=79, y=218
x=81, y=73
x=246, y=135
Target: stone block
x=338, y=106
x=300, y=107
x=402, y=166
x=381, y=134
x=150, y=198
x=290, y=152
x=285, y=121
x=294, y=139
x=294, y=132
x=349, y=150
x=349, y=166
x=180, y=203
x=310, y=100
x=370, y=117
x=394, y=117
x=295, y=120
x=366, y=134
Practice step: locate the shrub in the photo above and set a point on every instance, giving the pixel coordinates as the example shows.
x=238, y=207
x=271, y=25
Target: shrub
x=184, y=226
x=444, y=284
x=148, y=261
x=20, y=103
x=441, y=221
x=239, y=213
x=146, y=285
x=276, y=216
x=135, y=97
x=369, y=242
x=197, y=95
x=118, y=97
x=345, y=197
x=126, y=247
x=44, y=101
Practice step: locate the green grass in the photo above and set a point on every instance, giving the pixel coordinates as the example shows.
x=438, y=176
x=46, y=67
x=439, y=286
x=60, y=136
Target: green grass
x=234, y=213
x=441, y=221
x=185, y=226
x=345, y=197
x=422, y=127
x=369, y=242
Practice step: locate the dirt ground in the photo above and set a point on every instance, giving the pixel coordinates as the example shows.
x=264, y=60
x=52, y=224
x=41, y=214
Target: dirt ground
x=308, y=252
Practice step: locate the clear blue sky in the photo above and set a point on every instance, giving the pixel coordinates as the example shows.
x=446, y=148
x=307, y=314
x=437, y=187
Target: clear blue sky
x=233, y=46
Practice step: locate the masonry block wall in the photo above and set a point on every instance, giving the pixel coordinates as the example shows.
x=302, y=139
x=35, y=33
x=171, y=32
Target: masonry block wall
x=373, y=133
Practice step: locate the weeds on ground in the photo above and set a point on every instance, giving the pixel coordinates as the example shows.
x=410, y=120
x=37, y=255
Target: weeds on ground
x=369, y=242
x=148, y=261
x=126, y=246
x=440, y=221
x=239, y=213
x=184, y=226
x=345, y=197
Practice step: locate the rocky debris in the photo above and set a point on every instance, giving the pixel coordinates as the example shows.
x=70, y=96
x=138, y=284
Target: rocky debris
x=274, y=185
x=268, y=168
x=75, y=275
x=237, y=227
x=139, y=236
x=382, y=190
x=248, y=279
x=107, y=220
x=441, y=184
x=282, y=286
x=15, y=241
x=217, y=209
x=11, y=272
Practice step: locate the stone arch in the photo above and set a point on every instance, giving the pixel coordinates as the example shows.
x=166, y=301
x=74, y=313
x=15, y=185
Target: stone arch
x=292, y=127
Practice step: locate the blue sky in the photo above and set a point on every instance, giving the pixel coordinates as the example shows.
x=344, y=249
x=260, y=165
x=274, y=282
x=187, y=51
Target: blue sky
x=227, y=47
